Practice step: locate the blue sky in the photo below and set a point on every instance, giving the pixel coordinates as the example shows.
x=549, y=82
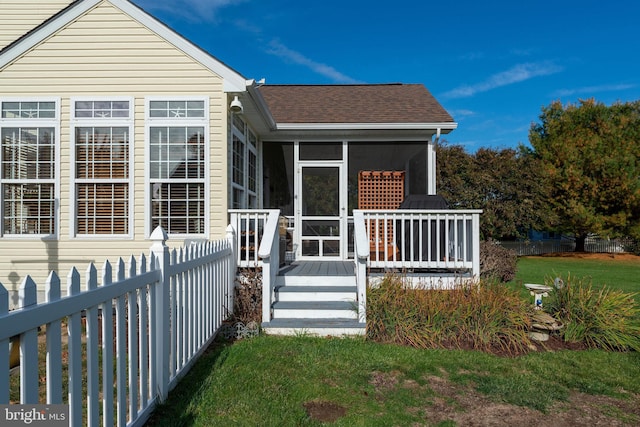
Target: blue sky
x=493, y=65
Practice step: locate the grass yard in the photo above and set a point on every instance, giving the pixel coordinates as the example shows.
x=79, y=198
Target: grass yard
x=620, y=271
x=305, y=381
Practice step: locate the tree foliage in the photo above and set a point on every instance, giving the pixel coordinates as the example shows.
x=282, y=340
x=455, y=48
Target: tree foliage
x=503, y=183
x=589, y=156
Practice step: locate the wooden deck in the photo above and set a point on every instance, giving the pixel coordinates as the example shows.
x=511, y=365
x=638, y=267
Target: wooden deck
x=318, y=268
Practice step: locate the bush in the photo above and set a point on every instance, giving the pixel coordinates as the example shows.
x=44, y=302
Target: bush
x=248, y=296
x=497, y=262
x=488, y=317
x=601, y=318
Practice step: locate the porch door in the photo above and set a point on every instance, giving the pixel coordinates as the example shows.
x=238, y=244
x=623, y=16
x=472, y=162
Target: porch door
x=320, y=213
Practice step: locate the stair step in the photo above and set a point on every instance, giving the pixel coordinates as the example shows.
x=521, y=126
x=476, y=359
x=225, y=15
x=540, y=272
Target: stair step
x=315, y=281
x=315, y=309
x=319, y=326
x=316, y=293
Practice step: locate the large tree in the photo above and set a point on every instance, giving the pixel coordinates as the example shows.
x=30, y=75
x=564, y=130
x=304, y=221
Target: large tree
x=503, y=183
x=589, y=155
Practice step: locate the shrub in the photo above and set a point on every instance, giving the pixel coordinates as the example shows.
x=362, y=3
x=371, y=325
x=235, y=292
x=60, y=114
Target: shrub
x=248, y=296
x=601, y=318
x=497, y=262
x=489, y=317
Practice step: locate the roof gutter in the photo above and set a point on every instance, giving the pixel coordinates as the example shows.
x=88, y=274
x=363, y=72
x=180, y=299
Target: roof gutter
x=439, y=127
x=261, y=104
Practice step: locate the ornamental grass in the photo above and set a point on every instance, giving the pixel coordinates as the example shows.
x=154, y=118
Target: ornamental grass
x=486, y=316
x=600, y=317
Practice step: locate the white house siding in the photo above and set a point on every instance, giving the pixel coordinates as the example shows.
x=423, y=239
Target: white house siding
x=18, y=17
x=106, y=53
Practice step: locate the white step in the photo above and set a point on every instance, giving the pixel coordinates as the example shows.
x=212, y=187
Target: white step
x=315, y=281
x=318, y=327
x=316, y=293
x=315, y=310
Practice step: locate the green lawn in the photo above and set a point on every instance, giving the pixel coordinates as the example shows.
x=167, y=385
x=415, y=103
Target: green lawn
x=619, y=273
x=271, y=381
x=267, y=381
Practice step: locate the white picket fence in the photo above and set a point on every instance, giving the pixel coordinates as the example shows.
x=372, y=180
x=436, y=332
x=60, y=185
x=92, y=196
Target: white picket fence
x=138, y=334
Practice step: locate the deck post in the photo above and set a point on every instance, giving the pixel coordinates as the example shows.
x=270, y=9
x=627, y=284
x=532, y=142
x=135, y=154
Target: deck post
x=361, y=257
x=476, y=246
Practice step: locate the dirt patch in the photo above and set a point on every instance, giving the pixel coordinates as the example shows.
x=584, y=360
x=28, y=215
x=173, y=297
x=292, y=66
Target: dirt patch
x=592, y=255
x=323, y=411
x=464, y=406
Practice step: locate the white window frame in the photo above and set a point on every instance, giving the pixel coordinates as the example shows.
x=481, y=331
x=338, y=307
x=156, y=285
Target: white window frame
x=110, y=122
x=246, y=194
x=181, y=122
x=54, y=123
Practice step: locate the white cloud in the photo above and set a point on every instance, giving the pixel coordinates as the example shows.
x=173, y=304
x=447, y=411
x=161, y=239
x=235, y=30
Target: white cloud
x=462, y=113
x=278, y=49
x=193, y=10
x=593, y=89
x=516, y=74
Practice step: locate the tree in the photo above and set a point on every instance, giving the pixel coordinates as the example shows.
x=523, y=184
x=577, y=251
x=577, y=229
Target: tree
x=503, y=183
x=589, y=156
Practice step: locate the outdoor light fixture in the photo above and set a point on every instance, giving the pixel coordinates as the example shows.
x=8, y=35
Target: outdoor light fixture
x=236, y=106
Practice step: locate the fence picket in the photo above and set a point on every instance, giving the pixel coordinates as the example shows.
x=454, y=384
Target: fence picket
x=152, y=314
x=107, y=349
x=28, y=347
x=121, y=351
x=132, y=343
x=5, y=346
x=143, y=303
x=93, y=398
x=54, y=344
x=74, y=350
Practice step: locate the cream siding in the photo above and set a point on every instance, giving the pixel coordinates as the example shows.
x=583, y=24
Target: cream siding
x=18, y=17
x=106, y=53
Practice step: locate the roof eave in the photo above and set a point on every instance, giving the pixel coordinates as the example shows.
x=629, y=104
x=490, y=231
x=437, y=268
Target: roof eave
x=445, y=127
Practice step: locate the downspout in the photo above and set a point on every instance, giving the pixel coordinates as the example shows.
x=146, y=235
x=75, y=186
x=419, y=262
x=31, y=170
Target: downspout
x=431, y=161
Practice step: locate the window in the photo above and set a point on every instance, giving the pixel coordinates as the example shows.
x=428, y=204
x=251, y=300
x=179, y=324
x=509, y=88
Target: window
x=177, y=165
x=27, y=167
x=102, y=159
x=244, y=174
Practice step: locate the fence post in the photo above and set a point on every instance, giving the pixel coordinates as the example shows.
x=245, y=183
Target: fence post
x=233, y=266
x=160, y=250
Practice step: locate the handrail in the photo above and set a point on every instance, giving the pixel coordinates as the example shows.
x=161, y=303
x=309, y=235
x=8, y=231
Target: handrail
x=270, y=255
x=361, y=247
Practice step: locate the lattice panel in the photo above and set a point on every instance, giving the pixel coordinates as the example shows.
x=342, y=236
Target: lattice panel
x=380, y=189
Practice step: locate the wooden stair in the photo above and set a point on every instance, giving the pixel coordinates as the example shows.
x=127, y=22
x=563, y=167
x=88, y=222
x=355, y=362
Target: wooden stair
x=311, y=300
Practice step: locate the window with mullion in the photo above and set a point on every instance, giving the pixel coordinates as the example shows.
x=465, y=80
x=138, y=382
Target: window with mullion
x=27, y=176
x=177, y=178
x=102, y=180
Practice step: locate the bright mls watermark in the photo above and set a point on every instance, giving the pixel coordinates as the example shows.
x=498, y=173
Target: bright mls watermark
x=34, y=415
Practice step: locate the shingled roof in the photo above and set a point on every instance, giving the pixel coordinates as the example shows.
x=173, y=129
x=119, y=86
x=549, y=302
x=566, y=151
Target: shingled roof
x=376, y=103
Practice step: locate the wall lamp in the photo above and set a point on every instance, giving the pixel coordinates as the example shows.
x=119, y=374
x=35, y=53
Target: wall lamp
x=236, y=106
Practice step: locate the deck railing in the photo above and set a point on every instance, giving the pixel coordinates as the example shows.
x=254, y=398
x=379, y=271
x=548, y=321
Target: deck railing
x=249, y=227
x=137, y=334
x=423, y=239
x=257, y=245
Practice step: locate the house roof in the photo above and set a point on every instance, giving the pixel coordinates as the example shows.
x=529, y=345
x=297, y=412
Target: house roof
x=355, y=104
